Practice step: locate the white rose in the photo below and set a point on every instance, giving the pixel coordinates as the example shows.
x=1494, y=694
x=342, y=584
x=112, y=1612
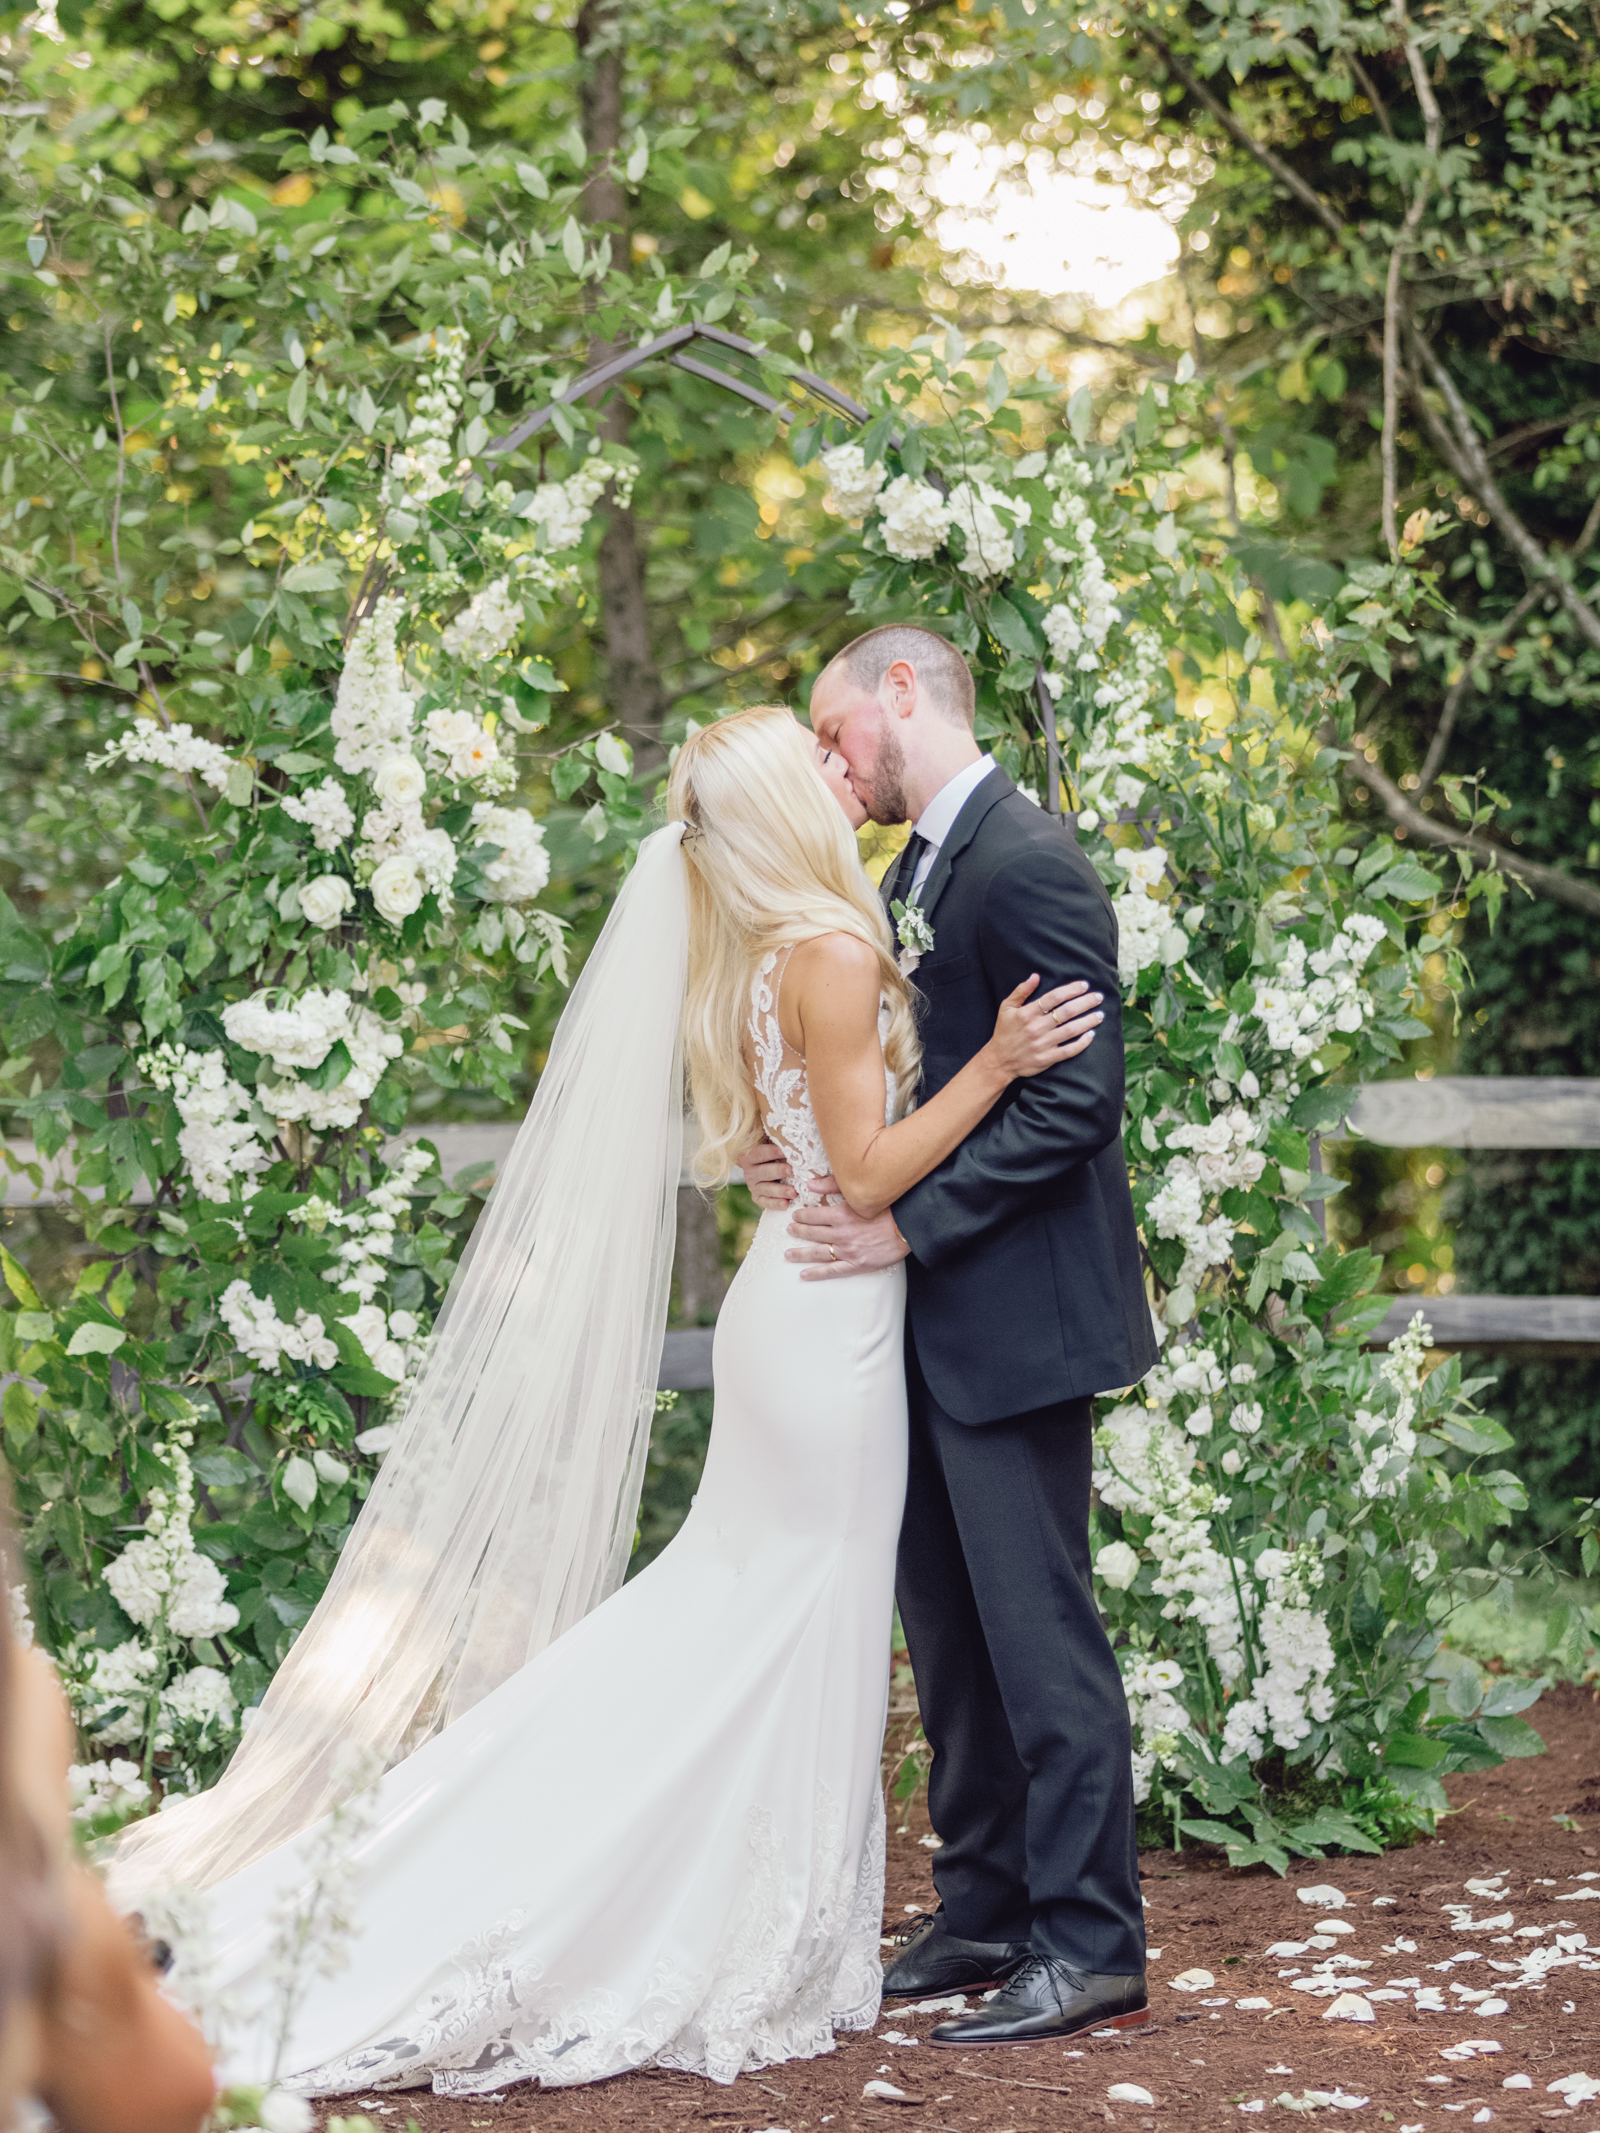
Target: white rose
x=325, y=900
x=280, y=2112
x=1117, y=1565
x=400, y=781
x=396, y=889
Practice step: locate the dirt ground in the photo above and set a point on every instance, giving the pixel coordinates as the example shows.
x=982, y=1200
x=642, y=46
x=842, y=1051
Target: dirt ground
x=1209, y=2057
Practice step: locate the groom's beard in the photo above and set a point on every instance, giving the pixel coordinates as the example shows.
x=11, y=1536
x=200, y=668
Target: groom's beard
x=883, y=792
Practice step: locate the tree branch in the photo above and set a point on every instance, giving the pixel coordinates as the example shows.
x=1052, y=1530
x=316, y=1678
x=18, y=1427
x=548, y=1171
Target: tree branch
x=1542, y=880
x=1282, y=171
x=1403, y=242
x=1459, y=444
x=1459, y=687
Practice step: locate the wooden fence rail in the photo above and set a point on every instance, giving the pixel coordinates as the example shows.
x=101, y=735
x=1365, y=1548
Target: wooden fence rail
x=1452, y=1111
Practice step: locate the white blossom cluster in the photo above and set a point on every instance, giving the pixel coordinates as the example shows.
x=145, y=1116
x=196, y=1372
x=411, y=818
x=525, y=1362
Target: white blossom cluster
x=220, y=1138
x=418, y=472
x=115, y=1787
x=300, y=1033
x=325, y=811
x=1145, y=922
x=177, y=748
x=916, y=518
x=1291, y=1689
x=1159, y=1720
x=855, y=485
x=266, y=1340
x=462, y=745
x=373, y=709
x=523, y=867
x=1300, y=1014
x=1211, y=1159
x=1077, y=628
x=369, y=1225
x=1126, y=738
x=975, y=508
x=1385, y=1442
x=487, y=625
x=161, y=1581
x=563, y=508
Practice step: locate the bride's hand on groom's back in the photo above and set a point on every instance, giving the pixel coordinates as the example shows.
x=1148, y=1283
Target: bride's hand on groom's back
x=1033, y=1033
x=765, y=1169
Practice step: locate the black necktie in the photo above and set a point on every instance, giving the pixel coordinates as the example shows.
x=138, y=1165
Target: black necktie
x=910, y=860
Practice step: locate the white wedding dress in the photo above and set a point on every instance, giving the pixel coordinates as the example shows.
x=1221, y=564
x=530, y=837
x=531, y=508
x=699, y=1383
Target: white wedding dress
x=661, y=1841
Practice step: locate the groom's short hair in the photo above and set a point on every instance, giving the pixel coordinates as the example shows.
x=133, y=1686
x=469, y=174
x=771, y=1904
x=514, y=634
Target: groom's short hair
x=940, y=667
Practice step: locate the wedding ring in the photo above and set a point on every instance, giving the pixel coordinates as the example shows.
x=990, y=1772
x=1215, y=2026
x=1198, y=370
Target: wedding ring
x=833, y=1255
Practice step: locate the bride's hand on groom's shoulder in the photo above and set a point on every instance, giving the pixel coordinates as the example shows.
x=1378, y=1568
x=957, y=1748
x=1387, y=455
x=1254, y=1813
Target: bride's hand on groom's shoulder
x=832, y=1241
x=765, y=1169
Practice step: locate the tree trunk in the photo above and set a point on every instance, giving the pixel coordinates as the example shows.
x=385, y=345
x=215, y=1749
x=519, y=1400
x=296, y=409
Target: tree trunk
x=697, y=1267
x=634, y=687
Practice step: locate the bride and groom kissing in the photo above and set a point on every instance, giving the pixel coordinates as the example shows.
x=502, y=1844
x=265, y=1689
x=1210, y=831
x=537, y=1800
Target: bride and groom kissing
x=642, y=1823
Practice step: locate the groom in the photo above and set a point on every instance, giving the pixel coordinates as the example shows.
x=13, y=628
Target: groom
x=1024, y=1297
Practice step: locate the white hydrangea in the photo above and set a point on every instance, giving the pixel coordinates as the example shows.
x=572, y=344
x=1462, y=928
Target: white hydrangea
x=486, y=626
x=324, y=810
x=260, y=1334
x=220, y=1138
x=201, y=1698
x=563, y=508
x=975, y=508
x=916, y=518
x=373, y=710
x=114, y=1787
x=418, y=472
x=855, y=485
x=300, y=1033
x=177, y=748
x=290, y=1032
x=523, y=867
x=1224, y=1150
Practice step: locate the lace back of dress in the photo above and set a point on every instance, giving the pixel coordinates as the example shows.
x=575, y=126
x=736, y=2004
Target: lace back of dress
x=780, y=1079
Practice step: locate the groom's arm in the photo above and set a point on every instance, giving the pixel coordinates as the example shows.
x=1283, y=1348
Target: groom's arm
x=1039, y=913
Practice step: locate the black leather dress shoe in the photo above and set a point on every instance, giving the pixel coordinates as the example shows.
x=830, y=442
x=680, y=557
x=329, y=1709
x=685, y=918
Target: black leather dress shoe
x=933, y=1960
x=1046, y=2000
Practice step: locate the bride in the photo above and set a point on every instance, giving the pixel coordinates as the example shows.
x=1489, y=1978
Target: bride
x=648, y=1830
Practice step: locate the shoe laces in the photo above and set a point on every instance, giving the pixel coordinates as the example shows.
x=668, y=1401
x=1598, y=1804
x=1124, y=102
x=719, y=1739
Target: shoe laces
x=909, y=1928
x=1052, y=1969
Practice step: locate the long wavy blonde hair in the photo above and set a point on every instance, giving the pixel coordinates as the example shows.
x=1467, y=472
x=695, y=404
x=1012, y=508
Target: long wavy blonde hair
x=771, y=861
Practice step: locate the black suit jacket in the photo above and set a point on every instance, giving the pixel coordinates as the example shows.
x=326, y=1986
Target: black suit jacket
x=1024, y=1285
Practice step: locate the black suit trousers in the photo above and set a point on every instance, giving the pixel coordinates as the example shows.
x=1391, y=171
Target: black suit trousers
x=1032, y=1783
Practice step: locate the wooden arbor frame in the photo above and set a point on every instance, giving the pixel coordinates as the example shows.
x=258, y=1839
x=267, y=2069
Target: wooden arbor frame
x=674, y=346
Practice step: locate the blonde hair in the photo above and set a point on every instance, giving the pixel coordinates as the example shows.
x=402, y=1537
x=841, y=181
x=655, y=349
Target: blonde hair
x=771, y=861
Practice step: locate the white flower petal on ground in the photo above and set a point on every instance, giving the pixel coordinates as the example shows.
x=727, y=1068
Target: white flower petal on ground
x=1252, y=2005
x=884, y=2092
x=895, y=2036
x=1517, y=2081
x=952, y=2003
x=1349, y=2007
x=1259, y=2104
x=1193, y=1981
x=1323, y=1896
x=1129, y=2092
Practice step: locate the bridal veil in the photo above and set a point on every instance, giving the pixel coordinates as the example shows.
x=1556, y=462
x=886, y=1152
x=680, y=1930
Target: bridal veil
x=506, y=1508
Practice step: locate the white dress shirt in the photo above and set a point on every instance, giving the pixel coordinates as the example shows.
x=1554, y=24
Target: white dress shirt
x=938, y=818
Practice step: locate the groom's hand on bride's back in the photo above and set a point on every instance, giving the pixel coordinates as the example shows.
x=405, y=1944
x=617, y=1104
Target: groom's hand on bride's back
x=832, y=1241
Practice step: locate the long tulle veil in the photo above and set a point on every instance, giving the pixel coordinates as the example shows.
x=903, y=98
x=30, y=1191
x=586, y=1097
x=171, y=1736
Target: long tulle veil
x=506, y=1509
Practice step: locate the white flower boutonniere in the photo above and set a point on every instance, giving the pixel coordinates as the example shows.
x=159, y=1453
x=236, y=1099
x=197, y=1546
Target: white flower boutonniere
x=914, y=933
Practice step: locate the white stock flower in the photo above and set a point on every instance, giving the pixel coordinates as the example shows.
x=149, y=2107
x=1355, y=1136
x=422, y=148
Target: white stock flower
x=324, y=902
x=161, y=1578
x=261, y=1335
x=324, y=810
x=564, y=508
x=916, y=518
x=201, y=1698
x=523, y=866
x=399, y=779
x=373, y=710
x=418, y=473
x=486, y=626
x=397, y=888
x=462, y=743
x=1117, y=1565
x=855, y=485
x=177, y=748
x=113, y=1787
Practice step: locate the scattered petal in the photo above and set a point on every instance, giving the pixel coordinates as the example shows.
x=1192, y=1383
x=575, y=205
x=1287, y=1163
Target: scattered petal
x=1259, y=2105
x=1129, y=2092
x=886, y=2092
x=1193, y=1981
x=1517, y=2081
x=1323, y=1896
x=952, y=2003
x=1251, y=2005
x=893, y=2036
x=1349, y=2007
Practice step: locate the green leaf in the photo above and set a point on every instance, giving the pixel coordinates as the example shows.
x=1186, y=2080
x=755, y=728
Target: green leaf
x=312, y=577
x=93, y=1338
x=299, y=393
x=1330, y=1825
x=1410, y=883
x=19, y=1410
x=1006, y=625
x=18, y=1283
x=533, y=181
x=363, y=1381
x=36, y=1326
x=1511, y=1737
x=223, y=1468
x=572, y=245
x=1212, y=1832
x=1414, y=1751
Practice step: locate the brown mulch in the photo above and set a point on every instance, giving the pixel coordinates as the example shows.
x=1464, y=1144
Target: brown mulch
x=1198, y=2061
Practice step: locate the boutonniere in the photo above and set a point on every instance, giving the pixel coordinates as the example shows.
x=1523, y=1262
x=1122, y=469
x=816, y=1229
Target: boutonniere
x=914, y=933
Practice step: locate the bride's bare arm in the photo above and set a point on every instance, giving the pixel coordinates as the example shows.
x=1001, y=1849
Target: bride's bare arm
x=831, y=990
